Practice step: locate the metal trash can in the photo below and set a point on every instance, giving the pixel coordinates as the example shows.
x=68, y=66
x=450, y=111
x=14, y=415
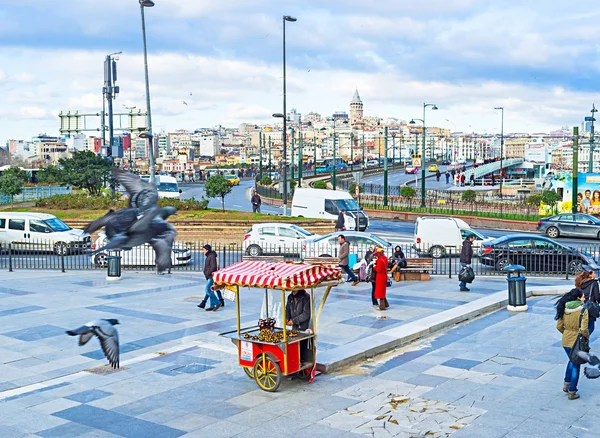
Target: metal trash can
x=517, y=296
x=114, y=267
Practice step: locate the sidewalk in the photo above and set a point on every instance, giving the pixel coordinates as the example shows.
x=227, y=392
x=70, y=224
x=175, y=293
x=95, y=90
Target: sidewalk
x=177, y=375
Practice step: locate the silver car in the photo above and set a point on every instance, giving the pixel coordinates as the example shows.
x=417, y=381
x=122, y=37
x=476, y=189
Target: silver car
x=568, y=224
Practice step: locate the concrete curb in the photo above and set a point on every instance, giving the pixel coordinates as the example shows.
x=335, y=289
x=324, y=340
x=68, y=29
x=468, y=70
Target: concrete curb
x=336, y=358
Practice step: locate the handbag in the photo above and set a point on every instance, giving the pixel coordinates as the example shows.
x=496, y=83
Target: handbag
x=581, y=344
x=466, y=274
x=593, y=310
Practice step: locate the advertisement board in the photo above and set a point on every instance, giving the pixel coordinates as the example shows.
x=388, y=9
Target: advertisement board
x=588, y=193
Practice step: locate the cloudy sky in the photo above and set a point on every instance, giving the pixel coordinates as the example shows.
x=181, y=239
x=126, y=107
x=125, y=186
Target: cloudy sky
x=539, y=59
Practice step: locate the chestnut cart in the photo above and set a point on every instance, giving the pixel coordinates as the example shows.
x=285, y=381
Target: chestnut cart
x=268, y=353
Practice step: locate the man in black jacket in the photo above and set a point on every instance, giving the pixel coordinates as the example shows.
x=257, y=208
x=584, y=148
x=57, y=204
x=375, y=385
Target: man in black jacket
x=466, y=254
x=256, y=201
x=210, y=267
x=340, y=223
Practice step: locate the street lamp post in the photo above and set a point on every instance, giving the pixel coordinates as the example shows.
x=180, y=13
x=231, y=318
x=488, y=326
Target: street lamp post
x=300, y=156
x=575, y=169
x=363, y=151
x=501, y=149
x=592, y=139
x=269, y=170
x=285, y=181
x=433, y=107
x=148, y=133
x=292, y=163
x=393, y=149
x=260, y=161
x=385, y=167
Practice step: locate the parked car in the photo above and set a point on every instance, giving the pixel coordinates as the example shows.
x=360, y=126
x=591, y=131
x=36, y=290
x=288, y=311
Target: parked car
x=234, y=180
x=328, y=245
x=411, y=169
x=535, y=253
x=567, y=224
x=275, y=238
x=445, y=162
x=433, y=168
x=372, y=163
x=140, y=255
x=41, y=232
x=435, y=236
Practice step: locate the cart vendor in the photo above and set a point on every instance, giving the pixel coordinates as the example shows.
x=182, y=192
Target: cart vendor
x=297, y=310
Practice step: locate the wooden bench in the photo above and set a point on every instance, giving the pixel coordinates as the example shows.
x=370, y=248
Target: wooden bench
x=267, y=259
x=321, y=261
x=416, y=269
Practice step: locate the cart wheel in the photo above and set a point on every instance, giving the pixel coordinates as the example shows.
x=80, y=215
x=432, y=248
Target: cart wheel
x=267, y=374
x=249, y=371
x=304, y=374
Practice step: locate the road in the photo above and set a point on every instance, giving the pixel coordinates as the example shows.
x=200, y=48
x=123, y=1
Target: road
x=397, y=232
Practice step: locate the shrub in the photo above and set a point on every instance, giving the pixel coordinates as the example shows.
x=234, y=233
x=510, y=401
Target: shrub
x=293, y=183
x=84, y=202
x=469, y=196
x=550, y=198
x=407, y=192
x=320, y=185
x=266, y=181
x=352, y=189
x=534, y=200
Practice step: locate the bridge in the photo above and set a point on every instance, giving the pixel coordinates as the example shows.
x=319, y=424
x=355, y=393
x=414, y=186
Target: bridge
x=486, y=169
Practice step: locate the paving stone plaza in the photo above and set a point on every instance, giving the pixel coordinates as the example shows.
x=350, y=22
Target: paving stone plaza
x=499, y=375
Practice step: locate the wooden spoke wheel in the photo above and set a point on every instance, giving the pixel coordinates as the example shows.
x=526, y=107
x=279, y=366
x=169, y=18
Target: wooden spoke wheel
x=249, y=371
x=267, y=374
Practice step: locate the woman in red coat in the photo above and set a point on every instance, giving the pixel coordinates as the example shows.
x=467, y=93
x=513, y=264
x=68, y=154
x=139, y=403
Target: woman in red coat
x=381, y=278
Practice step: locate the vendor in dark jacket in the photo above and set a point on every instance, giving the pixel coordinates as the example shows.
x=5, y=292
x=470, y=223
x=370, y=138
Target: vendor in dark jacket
x=297, y=310
x=586, y=281
x=466, y=254
x=297, y=313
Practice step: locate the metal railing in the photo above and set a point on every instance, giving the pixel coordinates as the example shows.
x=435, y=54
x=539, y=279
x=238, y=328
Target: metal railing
x=37, y=192
x=188, y=256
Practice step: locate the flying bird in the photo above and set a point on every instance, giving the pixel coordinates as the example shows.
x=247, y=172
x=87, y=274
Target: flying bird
x=185, y=103
x=592, y=372
x=106, y=334
x=142, y=195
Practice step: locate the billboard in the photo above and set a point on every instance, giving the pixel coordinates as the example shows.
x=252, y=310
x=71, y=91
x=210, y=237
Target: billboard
x=588, y=193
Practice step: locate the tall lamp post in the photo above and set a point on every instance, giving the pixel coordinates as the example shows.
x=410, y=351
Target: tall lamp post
x=285, y=181
x=333, y=179
x=260, y=151
x=300, y=155
x=412, y=122
x=592, y=139
x=501, y=146
x=147, y=134
x=385, y=167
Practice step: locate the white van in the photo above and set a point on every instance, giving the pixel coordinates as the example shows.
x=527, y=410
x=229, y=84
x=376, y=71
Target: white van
x=326, y=204
x=435, y=236
x=40, y=232
x=167, y=186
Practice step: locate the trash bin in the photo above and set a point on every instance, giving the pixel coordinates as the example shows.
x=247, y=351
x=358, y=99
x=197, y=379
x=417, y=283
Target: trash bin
x=517, y=298
x=114, y=267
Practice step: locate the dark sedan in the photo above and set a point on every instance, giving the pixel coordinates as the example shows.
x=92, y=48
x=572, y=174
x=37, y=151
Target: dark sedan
x=567, y=224
x=536, y=253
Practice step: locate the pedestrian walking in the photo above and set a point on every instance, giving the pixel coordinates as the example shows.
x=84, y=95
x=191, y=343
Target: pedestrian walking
x=466, y=254
x=438, y=174
x=472, y=179
x=571, y=319
x=210, y=267
x=586, y=281
x=343, y=256
x=462, y=180
x=371, y=277
x=381, y=278
x=340, y=223
x=447, y=177
x=493, y=180
x=256, y=202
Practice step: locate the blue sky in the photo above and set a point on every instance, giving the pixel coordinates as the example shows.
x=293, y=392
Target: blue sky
x=538, y=59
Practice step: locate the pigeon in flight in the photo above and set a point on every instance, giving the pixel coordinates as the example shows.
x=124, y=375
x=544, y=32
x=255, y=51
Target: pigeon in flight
x=592, y=372
x=106, y=333
x=114, y=222
x=184, y=102
x=143, y=195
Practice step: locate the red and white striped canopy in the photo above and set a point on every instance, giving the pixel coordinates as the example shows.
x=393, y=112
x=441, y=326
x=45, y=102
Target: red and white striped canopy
x=276, y=275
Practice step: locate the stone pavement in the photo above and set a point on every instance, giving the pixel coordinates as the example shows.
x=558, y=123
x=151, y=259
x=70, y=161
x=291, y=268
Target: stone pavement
x=179, y=377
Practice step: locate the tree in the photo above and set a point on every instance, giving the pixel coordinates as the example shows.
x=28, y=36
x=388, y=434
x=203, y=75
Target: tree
x=50, y=175
x=320, y=185
x=87, y=171
x=534, y=200
x=11, y=182
x=217, y=186
x=407, y=192
x=550, y=198
x=352, y=189
x=469, y=196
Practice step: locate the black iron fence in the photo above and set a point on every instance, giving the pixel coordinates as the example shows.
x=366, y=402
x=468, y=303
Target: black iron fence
x=272, y=192
x=188, y=256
